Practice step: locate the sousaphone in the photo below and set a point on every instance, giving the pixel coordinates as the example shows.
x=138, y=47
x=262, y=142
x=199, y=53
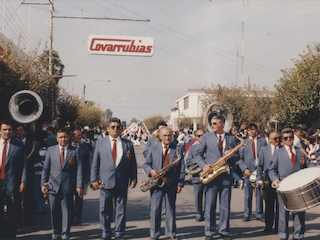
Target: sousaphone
x=214, y=109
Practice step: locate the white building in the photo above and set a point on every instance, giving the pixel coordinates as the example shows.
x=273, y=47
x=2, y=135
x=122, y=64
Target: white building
x=187, y=105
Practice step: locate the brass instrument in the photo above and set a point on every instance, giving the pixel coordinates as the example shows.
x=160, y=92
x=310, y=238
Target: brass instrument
x=45, y=196
x=221, y=165
x=193, y=169
x=151, y=182
x=218, y=108
x=253, y=178
x=101, y=185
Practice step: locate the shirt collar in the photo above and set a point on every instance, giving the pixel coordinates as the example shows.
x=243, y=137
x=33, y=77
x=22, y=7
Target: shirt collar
x=111, y=138
x=2, y=140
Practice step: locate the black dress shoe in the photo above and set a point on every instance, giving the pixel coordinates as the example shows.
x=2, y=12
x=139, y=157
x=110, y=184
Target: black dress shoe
x=208, y=238
x=199, y=219
x=153, y=238
x=260, y=219
x=267, y=230
x=226, y=237
x=246, y=219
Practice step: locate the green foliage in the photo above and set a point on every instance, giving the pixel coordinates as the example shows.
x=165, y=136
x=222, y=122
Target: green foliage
x=152, y=122
x=22, y=71
x=248, y=105
x=185, y=122
x=108, y=114
x=133, y=120
x=298, y=91
x=68, y=108
x=57, y=66
x=88, y=116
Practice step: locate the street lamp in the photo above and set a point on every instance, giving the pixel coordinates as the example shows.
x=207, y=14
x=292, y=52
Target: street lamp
x=84, y=86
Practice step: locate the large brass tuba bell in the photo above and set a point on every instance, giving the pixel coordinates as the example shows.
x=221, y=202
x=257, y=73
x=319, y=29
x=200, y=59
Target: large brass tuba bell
x=25, y=106
x=218, y=108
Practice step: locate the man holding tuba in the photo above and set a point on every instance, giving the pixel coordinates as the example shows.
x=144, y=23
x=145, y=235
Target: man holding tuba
x=198, y=187
x=215, y=145
x=160, y=156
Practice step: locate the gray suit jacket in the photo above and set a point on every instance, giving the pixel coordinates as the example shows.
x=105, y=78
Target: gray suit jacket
x=190, y=158
x=264, y=161
x=16, y=168
x=154, y=162
x=103, y=165
x=66, y=178
x=281, y=165
x=247, y=159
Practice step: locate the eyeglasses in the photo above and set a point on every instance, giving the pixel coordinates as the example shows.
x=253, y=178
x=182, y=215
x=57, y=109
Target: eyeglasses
x=276, y=138
x=115, y=127
x=286, y=138
x=214, y=123
x=199, y=136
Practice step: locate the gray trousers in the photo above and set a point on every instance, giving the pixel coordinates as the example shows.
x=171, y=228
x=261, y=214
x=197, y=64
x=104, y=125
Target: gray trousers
x=248, y=192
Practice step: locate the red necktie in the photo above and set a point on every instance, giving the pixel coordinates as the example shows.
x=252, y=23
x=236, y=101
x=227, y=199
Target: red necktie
x=3, y=164
x=114, y=151
x=293, y=157
x=220, y=145
x=254, y=149
x=62, y=157
x=166, y=151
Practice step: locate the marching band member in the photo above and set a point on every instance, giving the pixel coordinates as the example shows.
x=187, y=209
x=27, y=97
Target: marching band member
x=159, y=156
x=114, y=161
x=248, y=162
x=284, y=162
x=198, y=187
x=63, y=170
x=265, y=155
x=215, y=145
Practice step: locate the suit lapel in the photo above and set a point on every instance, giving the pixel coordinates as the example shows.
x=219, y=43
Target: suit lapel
x=108, y=148
x=10, y=151
x=214, y=140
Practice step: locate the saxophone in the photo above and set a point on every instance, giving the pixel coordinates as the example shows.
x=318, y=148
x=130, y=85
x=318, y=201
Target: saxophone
x=151, y=182
x=221, y=165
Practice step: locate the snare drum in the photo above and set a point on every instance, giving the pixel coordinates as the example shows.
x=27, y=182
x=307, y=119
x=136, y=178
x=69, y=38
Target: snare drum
x=300, y=191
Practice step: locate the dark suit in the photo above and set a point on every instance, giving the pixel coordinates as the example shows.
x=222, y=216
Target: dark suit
x=63, y=182
x=265, y=155
x=29, y=193
x=221, y=184
x=168, y=191
x=198, y=187
x=281, y=167
x=15, y=173
x=247, y=161
x=116, y=179
x=84, y=156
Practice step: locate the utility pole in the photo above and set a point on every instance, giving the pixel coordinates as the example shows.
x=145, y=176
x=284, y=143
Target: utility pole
x=242, y=41
x=50, y=39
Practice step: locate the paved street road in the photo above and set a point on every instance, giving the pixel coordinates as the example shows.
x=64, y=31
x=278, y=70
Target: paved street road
x=138, y=217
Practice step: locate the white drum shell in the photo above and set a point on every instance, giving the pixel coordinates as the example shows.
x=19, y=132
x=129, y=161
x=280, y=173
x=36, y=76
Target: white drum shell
x=301, y=190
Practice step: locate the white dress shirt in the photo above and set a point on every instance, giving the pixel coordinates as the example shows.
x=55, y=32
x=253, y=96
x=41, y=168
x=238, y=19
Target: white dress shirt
x=65, y=151
x=288, y=150
x=119, y=149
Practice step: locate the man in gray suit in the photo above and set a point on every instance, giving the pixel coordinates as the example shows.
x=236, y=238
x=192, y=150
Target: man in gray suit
x=63, y=170
x=215, y=145
x=114, y=161
x=265, y=155
x=198, y=187
x=284, y=162
x=153, y=139
x=248, y=163
x=13, y=178
x=159, y=156
x=84, y=155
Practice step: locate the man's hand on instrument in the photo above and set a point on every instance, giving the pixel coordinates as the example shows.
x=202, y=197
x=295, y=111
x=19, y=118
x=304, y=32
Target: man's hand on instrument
x=44, y=189
x=207, y=168
x=226, y=152
x=259, y=183
x=179, y=188
x=247, y=172
x=133, y=184
x=275, y=183
x=154, y=174
x=80, y=192
x=95, y=185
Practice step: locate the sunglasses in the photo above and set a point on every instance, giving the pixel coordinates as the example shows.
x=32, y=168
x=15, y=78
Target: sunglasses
x=115, y=127
x=286, y=138
x=276, y=138
x=199, y=135
x=214, y=123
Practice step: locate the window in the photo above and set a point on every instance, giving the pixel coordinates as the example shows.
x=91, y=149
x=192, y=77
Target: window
x=186, y=103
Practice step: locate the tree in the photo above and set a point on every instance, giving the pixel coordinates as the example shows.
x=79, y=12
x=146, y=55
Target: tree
x=57, y=66
x=298, y=91
x=22, y=71
x=108, y=114
x=185, y=122
x=68, y=108
x=247, y=105
x=133, y=120
x=152, y=122
x=88, y=116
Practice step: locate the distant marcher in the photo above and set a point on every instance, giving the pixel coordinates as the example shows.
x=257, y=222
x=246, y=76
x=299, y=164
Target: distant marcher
x=51, y=139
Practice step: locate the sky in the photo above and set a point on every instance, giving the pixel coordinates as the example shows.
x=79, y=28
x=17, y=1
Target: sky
x=197, y=43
